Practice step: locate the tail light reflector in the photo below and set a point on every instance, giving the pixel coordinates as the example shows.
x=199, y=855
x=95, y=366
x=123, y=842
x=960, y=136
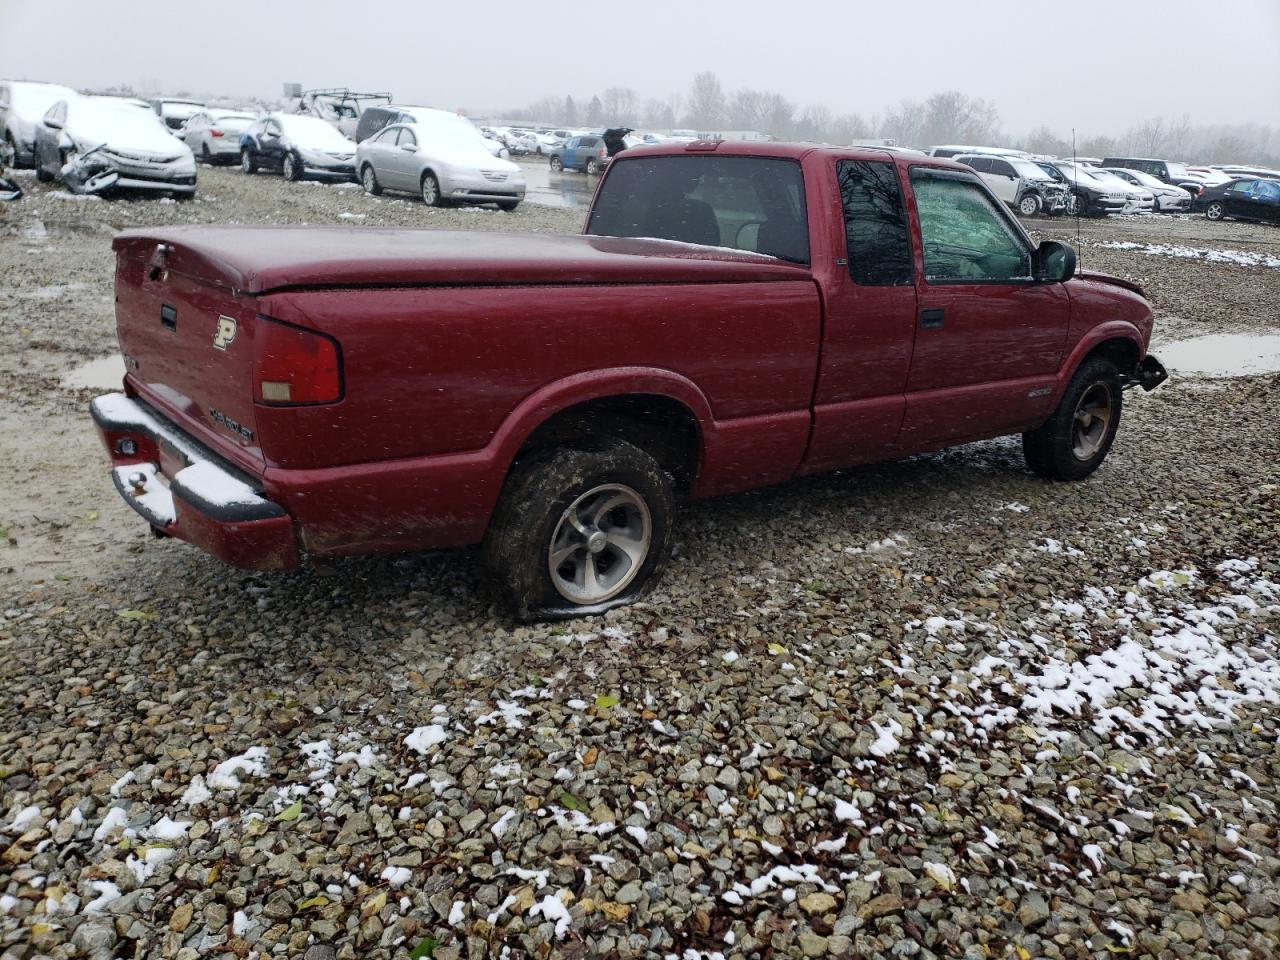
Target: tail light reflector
x=215, y=133
x=295, y=366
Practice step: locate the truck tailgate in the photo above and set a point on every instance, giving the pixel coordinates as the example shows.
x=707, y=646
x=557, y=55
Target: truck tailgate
x=187, y=344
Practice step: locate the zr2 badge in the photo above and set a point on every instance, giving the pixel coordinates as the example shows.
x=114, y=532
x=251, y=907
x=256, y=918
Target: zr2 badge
x=225, y=335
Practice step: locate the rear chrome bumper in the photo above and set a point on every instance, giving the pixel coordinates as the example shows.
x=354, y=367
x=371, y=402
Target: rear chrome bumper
x=186, y=492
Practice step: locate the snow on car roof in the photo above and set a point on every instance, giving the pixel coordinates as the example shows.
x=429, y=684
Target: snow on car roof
x=315, y=131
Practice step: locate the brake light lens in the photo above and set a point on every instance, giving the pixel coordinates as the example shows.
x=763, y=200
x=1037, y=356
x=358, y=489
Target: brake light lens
x=295, y=366
x=215, y=133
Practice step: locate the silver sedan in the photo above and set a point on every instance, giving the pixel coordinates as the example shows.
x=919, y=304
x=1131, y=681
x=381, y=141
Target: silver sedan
x=214, y=135
x=441, y=162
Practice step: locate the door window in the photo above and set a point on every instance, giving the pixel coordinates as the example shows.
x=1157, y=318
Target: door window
x=1243, y=187
x=965, y=237
x=875, y=223
x=981, y=164
x=1002, y=168
x=1268, y=190
x=407, y=137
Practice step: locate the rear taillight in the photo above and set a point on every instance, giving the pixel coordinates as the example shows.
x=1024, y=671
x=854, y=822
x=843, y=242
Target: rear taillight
x=295, y=366
x=215, y=133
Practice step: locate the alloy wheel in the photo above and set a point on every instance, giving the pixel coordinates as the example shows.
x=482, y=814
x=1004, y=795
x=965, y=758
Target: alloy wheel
x=600, y=543
x=1091, y=421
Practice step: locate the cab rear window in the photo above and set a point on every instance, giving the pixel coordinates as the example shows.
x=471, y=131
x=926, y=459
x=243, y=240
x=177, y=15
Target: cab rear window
x=754, y=204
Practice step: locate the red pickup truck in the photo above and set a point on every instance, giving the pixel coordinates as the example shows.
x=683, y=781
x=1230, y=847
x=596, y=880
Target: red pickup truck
x=735, y=315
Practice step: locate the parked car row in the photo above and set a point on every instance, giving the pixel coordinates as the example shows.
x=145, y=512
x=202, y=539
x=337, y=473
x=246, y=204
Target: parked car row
x=1098, y=186
x=94, y=144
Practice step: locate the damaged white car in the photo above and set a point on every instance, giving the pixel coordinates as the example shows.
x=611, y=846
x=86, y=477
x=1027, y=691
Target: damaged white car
x=97, y=144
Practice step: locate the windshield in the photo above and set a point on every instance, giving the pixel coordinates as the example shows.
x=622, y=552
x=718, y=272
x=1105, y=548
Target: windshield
x=1078, y=174
x=1027, y=169
x=745, y=203
x=119, y=125
x=1110, y=179
x=313, y=132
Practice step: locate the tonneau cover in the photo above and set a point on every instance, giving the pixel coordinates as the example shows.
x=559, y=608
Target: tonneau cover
x=257, y=259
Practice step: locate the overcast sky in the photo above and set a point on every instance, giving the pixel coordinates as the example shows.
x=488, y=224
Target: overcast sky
x=1098, y=66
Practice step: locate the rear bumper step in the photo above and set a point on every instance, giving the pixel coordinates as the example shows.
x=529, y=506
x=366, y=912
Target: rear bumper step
x=206, y=502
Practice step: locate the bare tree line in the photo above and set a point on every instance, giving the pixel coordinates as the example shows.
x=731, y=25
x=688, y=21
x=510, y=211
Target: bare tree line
x=946, y=117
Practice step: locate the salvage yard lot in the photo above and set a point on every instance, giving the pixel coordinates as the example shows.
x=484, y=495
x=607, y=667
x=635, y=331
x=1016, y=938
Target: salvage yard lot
x=937, y=707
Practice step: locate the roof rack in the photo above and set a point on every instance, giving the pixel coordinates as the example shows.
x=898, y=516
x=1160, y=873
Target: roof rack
x=346, y=93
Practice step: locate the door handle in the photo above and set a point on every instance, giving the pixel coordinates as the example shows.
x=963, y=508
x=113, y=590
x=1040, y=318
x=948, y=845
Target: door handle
x=931, y=319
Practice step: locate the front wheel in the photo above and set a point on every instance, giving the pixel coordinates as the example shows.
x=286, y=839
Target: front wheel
x=369, y=180
x=508, y=205
x=247, y=163
x=1076, y=438
x=1029, y=205
x=292, y=167
x=578, y=532
x=430, y=190
x=1215, y=210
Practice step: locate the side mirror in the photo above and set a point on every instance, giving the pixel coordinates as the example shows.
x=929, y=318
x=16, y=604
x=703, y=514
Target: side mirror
x=1054, y=262
x=53, y=124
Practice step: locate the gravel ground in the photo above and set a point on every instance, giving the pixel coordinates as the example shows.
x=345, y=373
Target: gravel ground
x=930, y=708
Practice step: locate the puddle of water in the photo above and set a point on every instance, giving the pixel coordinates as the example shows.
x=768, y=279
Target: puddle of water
x=104, y=374
x=573, y=190
x=1224, y=355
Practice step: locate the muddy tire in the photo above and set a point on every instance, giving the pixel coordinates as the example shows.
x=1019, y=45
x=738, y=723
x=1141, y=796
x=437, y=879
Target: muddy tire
x=1215, y=210
x=292, y=168
x=579, y=531
x=247, y=164
x=369, y=180
x=557, y=165
x=1077, y=437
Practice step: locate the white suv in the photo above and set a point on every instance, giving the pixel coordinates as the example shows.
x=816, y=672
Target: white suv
x=1019, y=183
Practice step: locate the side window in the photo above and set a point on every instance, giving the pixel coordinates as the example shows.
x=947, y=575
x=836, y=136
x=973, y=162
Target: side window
x=407, y=137
x=875, y=223
x=1268, y=190
x=981, y=164
x=1242, y=186
x=965, y=238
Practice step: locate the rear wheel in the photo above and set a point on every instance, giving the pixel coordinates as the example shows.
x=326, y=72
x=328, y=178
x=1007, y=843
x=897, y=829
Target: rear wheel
x=580, y=531
x=557, y=165
x=593, y=166
x=508, y=205
x=1076, y=438
x=1029, y=205
x=292, y=167
x=369, y=180
x=247, y=163
x=431, y=190
x=1215, y=210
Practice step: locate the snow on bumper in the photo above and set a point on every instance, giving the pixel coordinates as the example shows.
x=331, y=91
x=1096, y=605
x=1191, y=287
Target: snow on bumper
x=184, y=491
